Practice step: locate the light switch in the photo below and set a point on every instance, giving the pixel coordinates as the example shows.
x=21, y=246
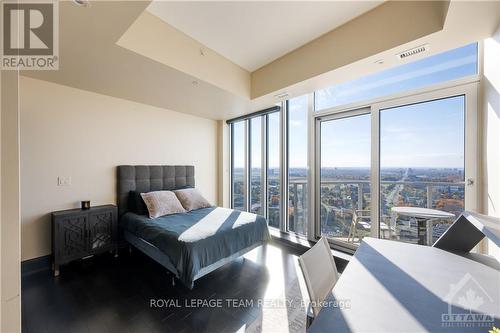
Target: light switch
x=63, y=181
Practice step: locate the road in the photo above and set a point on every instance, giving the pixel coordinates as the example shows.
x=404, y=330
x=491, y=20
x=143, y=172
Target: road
x=393, y=196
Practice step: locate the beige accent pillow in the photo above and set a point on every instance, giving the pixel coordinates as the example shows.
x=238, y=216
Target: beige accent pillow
x=191, y=199
x=162, y=203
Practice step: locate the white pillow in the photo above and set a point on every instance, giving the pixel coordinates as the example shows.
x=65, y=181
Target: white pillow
x=162, y=203
x=191, y=199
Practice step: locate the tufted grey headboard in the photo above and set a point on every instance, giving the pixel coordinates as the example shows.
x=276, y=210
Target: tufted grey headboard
x=146, y=178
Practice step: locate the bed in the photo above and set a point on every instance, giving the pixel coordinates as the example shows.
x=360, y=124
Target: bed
x=192, y=244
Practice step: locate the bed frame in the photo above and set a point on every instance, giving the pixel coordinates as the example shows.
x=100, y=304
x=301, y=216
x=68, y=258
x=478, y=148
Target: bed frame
x=143, y=178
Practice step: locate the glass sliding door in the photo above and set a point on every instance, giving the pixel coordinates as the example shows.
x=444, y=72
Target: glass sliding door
x=256, y=168
x=422, y=173
x=238, y=163
x=273, y=169
x=297, y=164
x=412, y=167
x=344, y=193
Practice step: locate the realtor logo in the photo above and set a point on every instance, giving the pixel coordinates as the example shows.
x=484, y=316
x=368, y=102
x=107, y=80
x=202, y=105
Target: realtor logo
x=30, y=35
x=468, y=305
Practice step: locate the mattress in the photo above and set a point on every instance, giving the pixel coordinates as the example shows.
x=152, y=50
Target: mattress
x=199, y=238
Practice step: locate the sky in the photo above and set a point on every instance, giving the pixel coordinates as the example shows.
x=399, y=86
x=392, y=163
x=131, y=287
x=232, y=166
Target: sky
x=428, y=134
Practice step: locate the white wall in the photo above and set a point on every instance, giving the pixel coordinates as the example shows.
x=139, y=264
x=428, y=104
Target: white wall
x=83, y=135
x=1, y=107
x=10, y=256
x=491, y=130
x=1, y=298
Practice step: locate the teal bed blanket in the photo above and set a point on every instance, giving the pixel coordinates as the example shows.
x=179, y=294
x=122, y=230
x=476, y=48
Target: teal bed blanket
x=199, y=238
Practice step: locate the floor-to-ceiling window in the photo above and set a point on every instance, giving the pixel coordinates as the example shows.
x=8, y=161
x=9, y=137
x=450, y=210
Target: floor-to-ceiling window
x=273, y=170
x=397, y=167
x=297, y=135
x=256, y=166
x=238, y=165
x=422, y=158
x=345, y=176
x=368, y=157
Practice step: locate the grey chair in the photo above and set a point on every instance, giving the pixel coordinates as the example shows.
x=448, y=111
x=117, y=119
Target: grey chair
x=320, y=275
x=360, y=218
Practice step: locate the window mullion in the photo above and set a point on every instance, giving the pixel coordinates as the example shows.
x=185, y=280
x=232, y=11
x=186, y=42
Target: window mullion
x=231, y=165
x=248, y=164
x=264, y=166
x=311, y=168
x=375, y=172
x=284, y=166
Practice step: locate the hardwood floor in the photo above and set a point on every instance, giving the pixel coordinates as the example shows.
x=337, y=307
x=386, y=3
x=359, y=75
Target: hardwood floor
x=264, y=292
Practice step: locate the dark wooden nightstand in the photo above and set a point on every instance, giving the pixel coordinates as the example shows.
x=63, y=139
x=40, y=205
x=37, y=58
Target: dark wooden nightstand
x=78, y=233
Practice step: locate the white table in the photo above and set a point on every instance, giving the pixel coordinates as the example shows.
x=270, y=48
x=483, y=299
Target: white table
x=423, y=216
x=391, y=286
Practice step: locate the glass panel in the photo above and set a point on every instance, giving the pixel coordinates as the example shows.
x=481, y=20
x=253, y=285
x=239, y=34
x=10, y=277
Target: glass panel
x=100, y=227
x=297, y=165
x=345, y=178
x=256, y=165
x=238, y=166
x=421, y=165
x=454, y=64
x=273, y=171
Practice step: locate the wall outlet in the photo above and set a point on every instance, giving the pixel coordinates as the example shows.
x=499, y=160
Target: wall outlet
x=63, y=181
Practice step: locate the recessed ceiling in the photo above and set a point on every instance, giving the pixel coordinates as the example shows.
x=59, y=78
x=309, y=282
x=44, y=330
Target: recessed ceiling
x=91, y=60
x=252, y=34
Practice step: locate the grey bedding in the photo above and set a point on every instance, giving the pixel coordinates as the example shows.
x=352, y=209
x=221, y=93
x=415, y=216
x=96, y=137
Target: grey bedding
x=199, y=238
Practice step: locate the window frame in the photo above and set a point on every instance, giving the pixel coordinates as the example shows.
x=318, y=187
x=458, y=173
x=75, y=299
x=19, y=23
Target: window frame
x=467, y=86
x=317, y=195
x=282, y=220
x=245, y=162
x=263, y=162
x=310, y=110
x=248, y=160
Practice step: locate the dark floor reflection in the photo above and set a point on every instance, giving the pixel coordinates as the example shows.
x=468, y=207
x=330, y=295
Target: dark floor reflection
x=106, y=294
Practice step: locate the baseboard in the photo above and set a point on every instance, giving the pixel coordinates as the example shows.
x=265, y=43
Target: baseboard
x=36, y=265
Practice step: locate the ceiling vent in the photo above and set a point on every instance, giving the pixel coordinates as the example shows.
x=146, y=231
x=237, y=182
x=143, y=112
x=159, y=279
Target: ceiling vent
x=413, y=52
x=282, y=96
x=82, y=3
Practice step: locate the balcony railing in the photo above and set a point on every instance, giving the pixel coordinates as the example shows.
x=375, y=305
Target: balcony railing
x=298, y=188
x=295, y=184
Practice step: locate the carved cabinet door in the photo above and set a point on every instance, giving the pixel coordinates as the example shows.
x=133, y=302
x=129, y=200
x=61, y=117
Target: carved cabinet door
x=71, y=236
x=101, y=233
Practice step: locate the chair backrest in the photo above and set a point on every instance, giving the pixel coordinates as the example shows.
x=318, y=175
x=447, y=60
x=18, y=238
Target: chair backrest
x=320, y=272
x=354, y=215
